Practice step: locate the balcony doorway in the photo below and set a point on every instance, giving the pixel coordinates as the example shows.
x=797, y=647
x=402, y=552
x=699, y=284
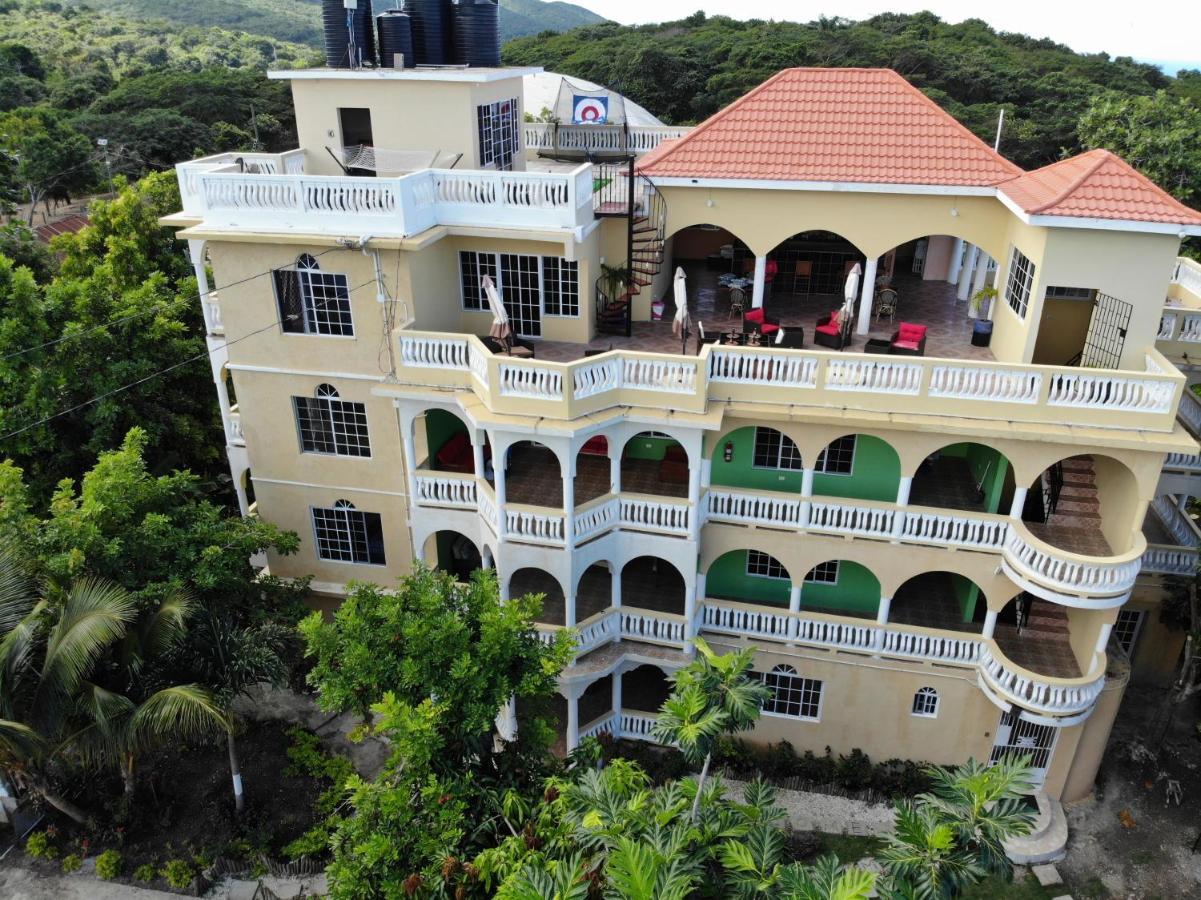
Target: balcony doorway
x=1018, y=738
x=645, y=689
x=355, y=124
x=654, y=463
x=653, y=584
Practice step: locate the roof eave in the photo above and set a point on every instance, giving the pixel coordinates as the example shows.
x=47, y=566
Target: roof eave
x=866, y=187
x=1051, y=221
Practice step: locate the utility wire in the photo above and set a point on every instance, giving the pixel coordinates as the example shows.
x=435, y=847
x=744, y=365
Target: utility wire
x=274, y=322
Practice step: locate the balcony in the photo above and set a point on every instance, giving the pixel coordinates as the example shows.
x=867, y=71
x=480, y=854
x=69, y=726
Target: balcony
x=1179, y=334
x=964, y=389
x=233, y=427
x=211, y=306
x=1172, y=539
x=597, y=140
x=271, y=193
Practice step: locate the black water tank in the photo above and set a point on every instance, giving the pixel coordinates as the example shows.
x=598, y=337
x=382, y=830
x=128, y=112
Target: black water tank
x=395, y=37
x=339, y=23
x=477, y=33
x=430, y=30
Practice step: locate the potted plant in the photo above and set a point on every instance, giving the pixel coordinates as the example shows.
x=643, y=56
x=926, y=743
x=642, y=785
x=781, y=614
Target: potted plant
x=977, y=308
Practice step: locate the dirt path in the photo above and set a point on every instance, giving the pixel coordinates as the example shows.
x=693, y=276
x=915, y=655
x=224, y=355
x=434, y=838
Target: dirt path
x=19, y=883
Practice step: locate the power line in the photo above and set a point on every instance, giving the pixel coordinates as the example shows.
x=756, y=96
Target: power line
x=274, y=322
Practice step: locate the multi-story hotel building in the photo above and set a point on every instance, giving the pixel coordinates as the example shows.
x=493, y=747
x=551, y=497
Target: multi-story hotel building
x=932, y=539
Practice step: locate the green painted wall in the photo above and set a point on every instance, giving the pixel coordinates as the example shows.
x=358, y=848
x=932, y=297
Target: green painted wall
x=967, y=594
x=440, y=426
x=875, y=475
x=987, y=465
x=645, y=447
x=727, y=580
x=857, y=590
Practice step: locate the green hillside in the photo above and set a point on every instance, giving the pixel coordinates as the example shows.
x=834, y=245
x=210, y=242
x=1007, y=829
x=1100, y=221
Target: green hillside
x=300, y=20
x=685, y=71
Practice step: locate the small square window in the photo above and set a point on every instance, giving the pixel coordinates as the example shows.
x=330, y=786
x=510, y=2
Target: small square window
x=824, y=573
x=761, y=565
x=839, y=457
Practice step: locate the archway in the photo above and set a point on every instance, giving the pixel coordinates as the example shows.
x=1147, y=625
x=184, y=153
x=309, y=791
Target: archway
x=944, y=600
x=596, y=702
x=537, y=581
x=1036, y=635
x=593, y=470
x=654, y=463
x=533, y=475
x=453, y=553
x=648, y=582
x=711, y=257
x=594, y=593
x=1084, y=504
x=967, y=476
x=749, y=576
x=860, y=466
x=447, y=442
x=843, y=588
x=645, y=689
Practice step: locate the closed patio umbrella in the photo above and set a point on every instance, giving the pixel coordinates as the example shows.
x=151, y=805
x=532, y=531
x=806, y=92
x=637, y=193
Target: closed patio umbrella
x=849, y=295
x=681, y=323
x=500, y=318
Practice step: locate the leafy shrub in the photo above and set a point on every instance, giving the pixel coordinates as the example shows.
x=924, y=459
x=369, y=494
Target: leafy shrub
x=308, y=758
x=108, y=865
x=72, y=863
x=178, y=874
x=40, y=846
x=145, y=873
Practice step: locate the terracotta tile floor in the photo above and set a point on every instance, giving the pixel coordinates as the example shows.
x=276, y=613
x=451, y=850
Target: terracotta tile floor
x=929, y=303
x=1046, y=654
x=534, y=478
x=929, y=601
x=1084, y=538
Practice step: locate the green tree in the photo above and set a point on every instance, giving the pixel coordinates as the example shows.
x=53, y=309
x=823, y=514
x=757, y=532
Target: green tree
x=52, y=158
x=712, y=696
x=1160, y=135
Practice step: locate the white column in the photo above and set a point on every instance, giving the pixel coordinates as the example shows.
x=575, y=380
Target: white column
x=966, y=273
x=706, y=472
x=617, y=693
x=615, y=586
x=700, y=585
x=689, y=616
x=794, y=606
x=882, y=612
x=506, y=720
x=573, y=720
x=406, y=437
x=486, y=560
x=760, y=280
x=806, y=495
x=694, y=498
x=614, y=469
x=569, y=505
x=498, y=474
x=477, y=453
x=990, y=623
x=956, y=256
x=1019, y=502
x=1103, y=638
x=196, y=252
x=867, y=293
x=569, y=609
x=898, y=522
x=981, y=274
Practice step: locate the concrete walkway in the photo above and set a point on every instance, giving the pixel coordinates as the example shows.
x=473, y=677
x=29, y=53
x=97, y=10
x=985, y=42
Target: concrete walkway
x=20, y=883
x=823, y=812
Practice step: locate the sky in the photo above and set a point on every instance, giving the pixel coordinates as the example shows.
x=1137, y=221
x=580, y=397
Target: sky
x=1166, y=32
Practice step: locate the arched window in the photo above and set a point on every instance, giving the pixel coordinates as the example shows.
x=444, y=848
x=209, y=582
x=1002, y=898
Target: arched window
x=925, y=702
x=344, y=534
x=328, y=424
x=775, y=450
x=792, y=695
x=311, y=301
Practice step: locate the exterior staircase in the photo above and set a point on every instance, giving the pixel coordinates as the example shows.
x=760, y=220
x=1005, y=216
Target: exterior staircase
x=1071, y=508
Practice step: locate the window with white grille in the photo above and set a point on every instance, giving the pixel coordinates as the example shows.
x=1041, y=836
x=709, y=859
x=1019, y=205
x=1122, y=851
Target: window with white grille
x=328, y=424
x=774, y=450
x=311, y=301
x=824, y=573
x=792, y=695
x=498, y=133
x=344, y=534
x=925, y=702
x=560, y=286
x=1019, y=282
x=530, y=286
x=839, y=457
x=761, y=565
x=1127, y=627
x=473, y=267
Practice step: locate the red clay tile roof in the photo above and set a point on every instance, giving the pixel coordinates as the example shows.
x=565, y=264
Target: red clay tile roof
x=1097, y=185
x=67, y=225
x=846, y=125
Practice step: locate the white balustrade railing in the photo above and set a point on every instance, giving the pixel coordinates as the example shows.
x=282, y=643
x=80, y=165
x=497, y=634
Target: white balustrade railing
x=637, y=726
x=212, y=314
x=871, y=374
x=1167, y=326
x=989, y=384
x=597, y=519
x=1187, y=274
x=1190, y=462
x=753, y=509
x=233, y=427
x=842, y=518
x=659, y=374
x=1190, y=410
x=487, y=507
x=1065, y=573
x=1036, y=693
x=442, y=489
x=597, y=631
x=1176, y=522
x=960, y=529
x=654, y=515
x=763, y=367
x=1190, y=329
x=651, y=626
x=1110, y=390
x=598, y=138
x=1162, y=560
x=605, y=724
x=423, y=351
x=536, y=527
x=536, y=382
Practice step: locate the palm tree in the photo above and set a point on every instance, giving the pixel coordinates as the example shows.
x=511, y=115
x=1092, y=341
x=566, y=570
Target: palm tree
x=712, y=696
x=232, y=659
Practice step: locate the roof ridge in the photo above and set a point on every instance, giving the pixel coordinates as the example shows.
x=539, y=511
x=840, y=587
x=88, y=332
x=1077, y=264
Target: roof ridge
x=1102, y=157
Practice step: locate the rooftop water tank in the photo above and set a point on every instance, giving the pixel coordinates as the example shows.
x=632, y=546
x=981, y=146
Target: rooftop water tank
x=477, y=33
x=395, y=39
x=349, y=33
x=430, y=29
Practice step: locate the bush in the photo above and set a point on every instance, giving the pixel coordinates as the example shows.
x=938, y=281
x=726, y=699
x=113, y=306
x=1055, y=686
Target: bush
x=178, y=874
x=39, y=846
x=108, y=865
x=308, y=758
x=145, y=873
x=72, y=863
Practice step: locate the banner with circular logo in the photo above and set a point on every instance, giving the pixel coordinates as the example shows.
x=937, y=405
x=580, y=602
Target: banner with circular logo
x=590, y=110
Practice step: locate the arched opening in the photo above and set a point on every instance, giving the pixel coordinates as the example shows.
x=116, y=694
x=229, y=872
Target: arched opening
x=714, y=261
x=1084, y=504
x=644, y=689
x=447, y=443
x=536, y=581
x=593, y=470
x=652, y=583
x=860, y=466
x=966, y=476
x=843, y=588
x=596, y=702
x=944, y=600
x=594, y=594
x=654, y=463
x=1036, y=635
x=758, y=457
x=533, y=475
x=453, y=553
x=749, y=576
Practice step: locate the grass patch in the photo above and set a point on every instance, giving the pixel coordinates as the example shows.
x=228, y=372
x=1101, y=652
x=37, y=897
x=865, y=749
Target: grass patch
x=850, y=848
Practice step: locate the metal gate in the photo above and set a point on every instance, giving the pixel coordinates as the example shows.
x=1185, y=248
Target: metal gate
x=1016, y=737
x=1106, y=332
